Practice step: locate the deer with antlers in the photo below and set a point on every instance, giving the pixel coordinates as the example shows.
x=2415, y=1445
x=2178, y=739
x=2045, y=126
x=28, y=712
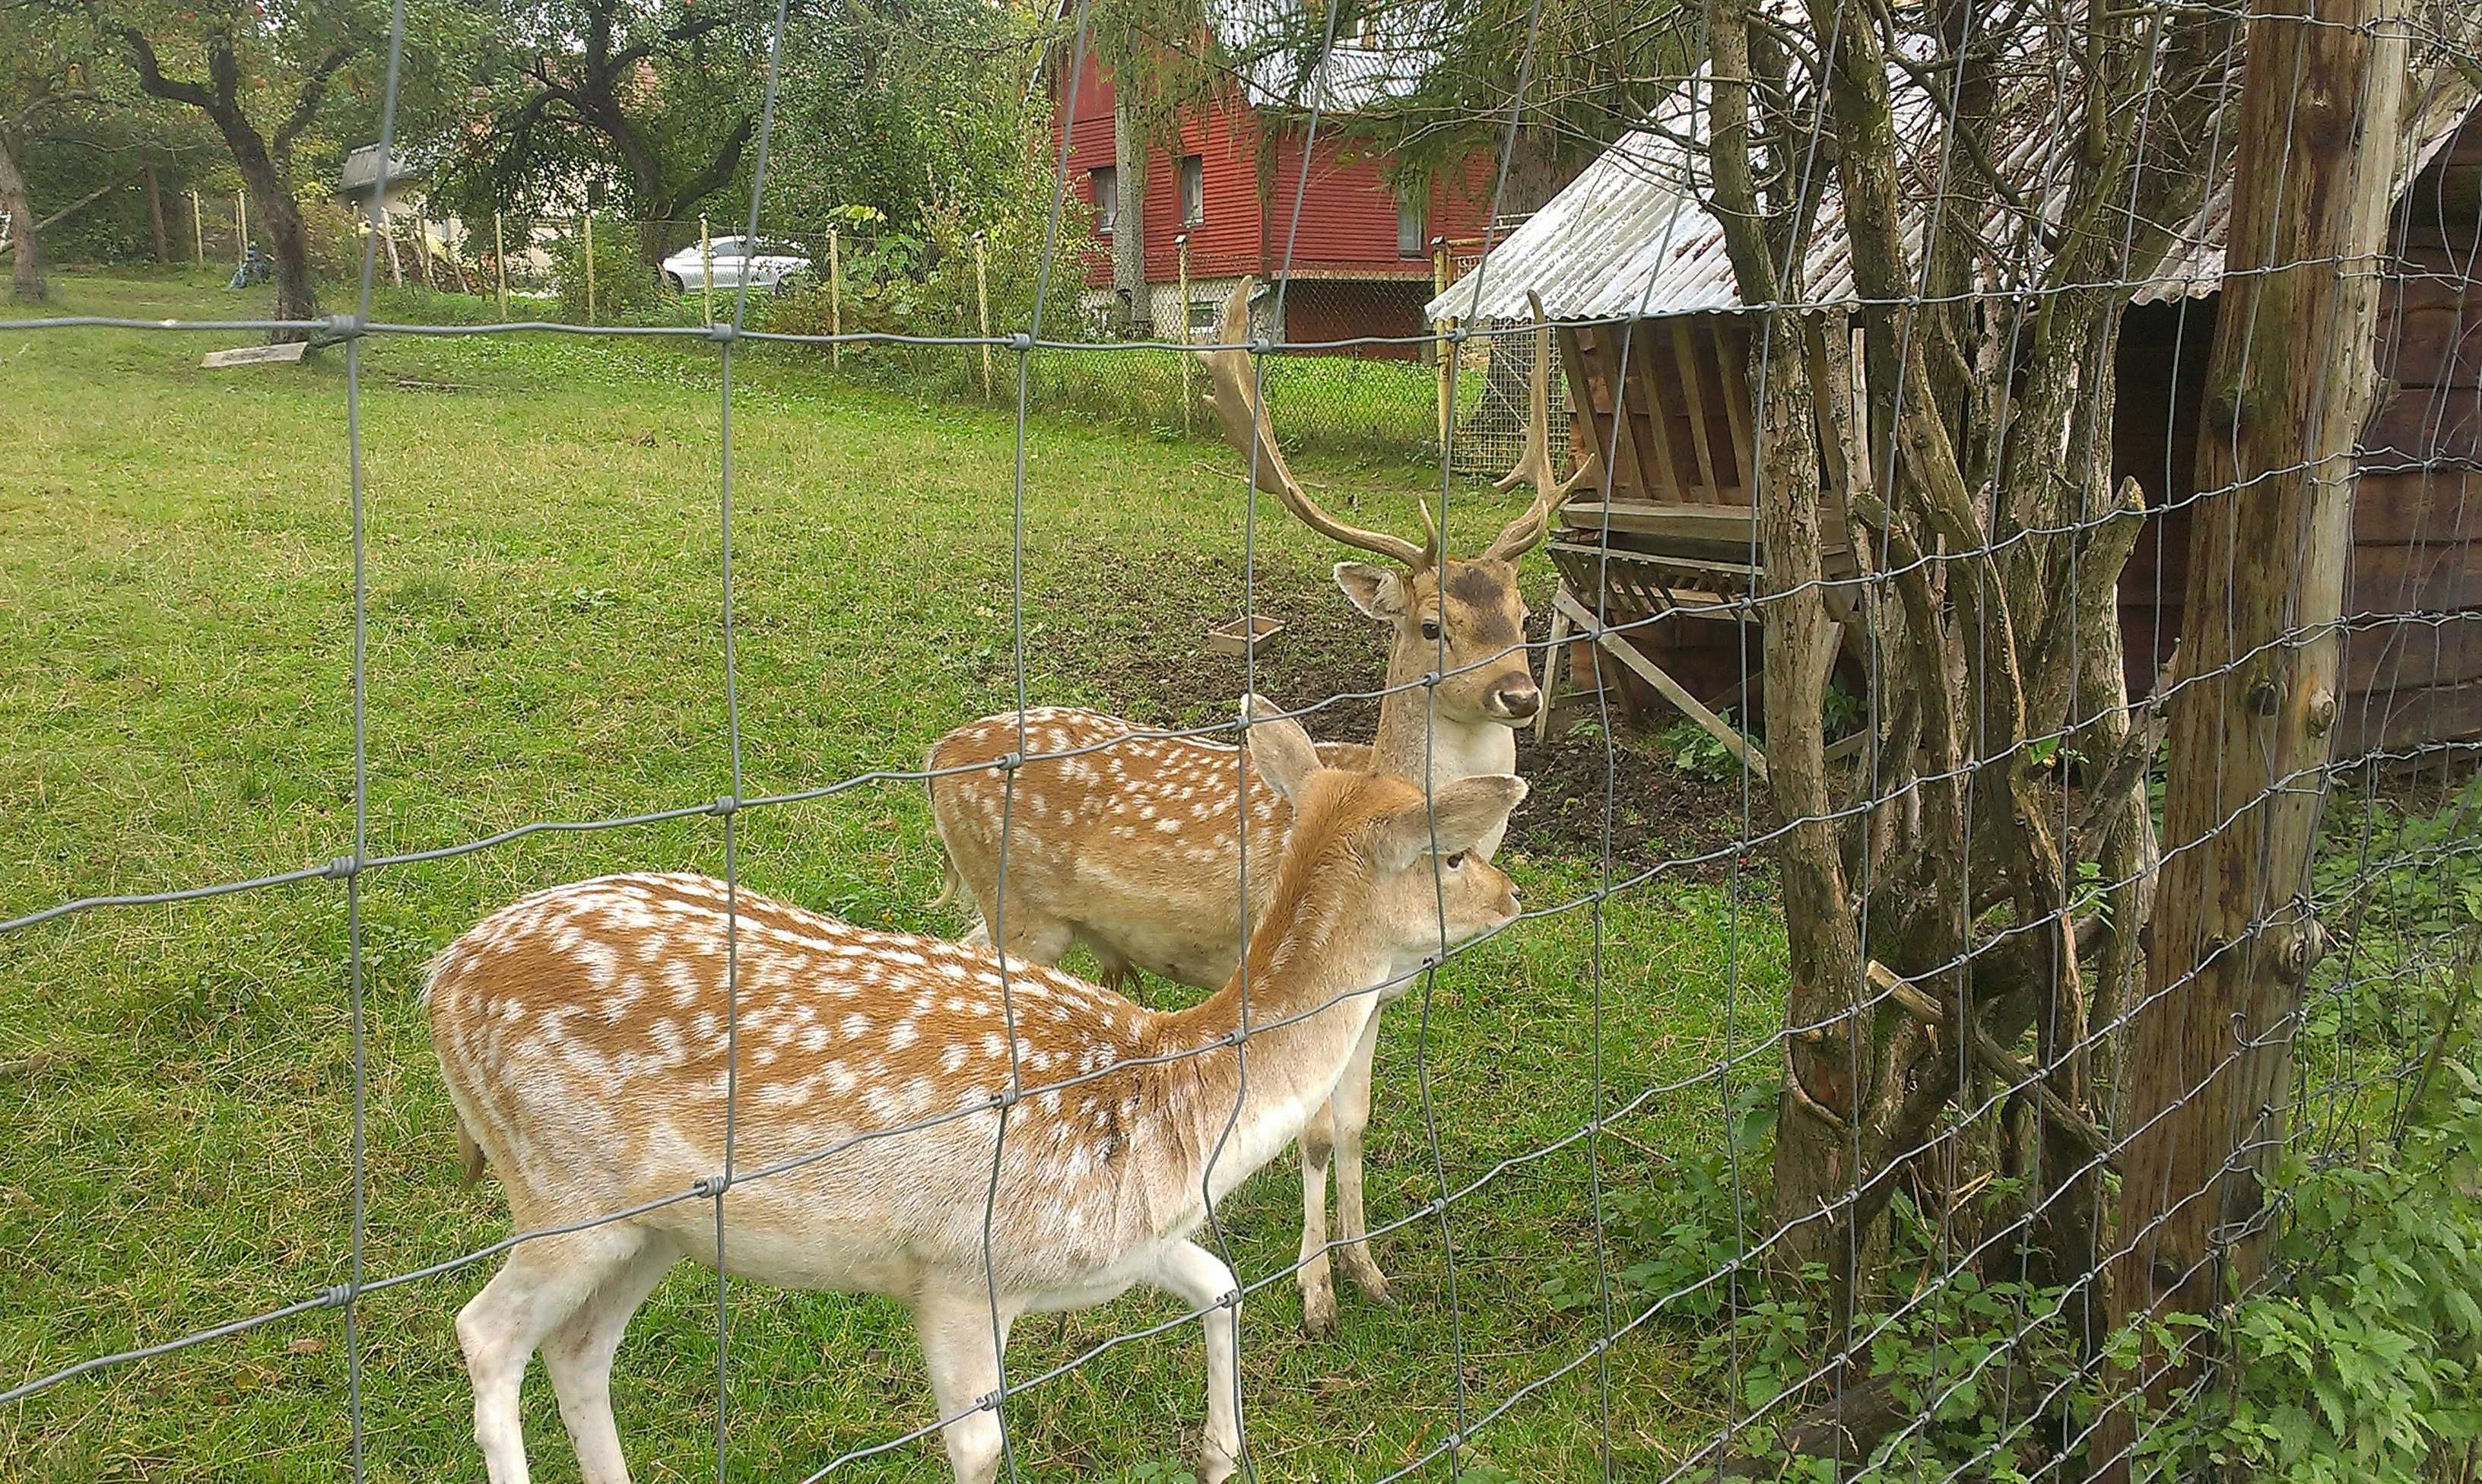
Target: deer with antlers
x=1133, y=842
x=908, y=1121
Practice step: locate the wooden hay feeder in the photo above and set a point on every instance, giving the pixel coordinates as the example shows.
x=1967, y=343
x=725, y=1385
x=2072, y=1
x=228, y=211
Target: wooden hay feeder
x=1233, y=635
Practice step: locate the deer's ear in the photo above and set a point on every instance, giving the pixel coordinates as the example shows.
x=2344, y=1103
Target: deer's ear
x=1379, y=591
x=1466, y=811
x=1278, y=748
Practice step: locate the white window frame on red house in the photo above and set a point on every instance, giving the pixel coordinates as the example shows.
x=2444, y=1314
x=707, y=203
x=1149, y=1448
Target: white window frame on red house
x=1411, y=210
x=1191, y=174
x=1104, y=180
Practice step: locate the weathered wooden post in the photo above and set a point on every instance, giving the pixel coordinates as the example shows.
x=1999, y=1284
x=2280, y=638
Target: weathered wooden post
x=590, y=268
x=155, y=212
x=835, y=303
x=1180, y=246
x=982, y=313
x=198, y=229
x=2252, y=726
x=241, y=227
x=707, y=273
x=500, y=265
x=1447, y=348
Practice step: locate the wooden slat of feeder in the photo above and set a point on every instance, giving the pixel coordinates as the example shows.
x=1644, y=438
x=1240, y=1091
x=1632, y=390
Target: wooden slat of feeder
x=1661, y=580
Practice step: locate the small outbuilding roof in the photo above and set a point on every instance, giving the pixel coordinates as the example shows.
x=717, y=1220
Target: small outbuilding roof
x=1274, y=48
x=1632, y=237
x=360, y=171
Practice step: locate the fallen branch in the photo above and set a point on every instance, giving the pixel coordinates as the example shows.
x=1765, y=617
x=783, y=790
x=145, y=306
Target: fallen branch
x=88, y=199
x=1997, y=1059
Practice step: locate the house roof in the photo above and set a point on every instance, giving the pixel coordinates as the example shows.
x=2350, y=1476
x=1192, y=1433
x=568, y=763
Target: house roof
x=1632, y=237
x=360, y=171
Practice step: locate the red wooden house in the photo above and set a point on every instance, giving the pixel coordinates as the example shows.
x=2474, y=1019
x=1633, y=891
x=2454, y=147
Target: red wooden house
x=1359, y=257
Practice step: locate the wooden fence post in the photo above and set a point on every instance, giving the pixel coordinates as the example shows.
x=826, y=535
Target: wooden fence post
x=500, y=265
x=2252, y=721
x=155, y=214
x=982, y=313
x=706, y=272
x=590, y=268
x=241, y=227
x=1180, y=246
x=1447, y=348
x=835, y=301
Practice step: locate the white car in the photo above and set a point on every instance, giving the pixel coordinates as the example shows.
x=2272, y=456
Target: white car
x=768, y=267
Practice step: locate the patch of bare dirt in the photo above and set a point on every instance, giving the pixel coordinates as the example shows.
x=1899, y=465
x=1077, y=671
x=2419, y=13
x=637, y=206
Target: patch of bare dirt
x=1145, y=626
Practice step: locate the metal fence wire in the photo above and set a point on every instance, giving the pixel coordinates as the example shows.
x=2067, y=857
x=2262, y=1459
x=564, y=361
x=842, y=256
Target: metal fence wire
x=1897, y=449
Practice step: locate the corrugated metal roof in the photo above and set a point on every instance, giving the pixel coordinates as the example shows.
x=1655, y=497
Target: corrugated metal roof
x=1272, y=45
x=1632, y=237
x=361, y=168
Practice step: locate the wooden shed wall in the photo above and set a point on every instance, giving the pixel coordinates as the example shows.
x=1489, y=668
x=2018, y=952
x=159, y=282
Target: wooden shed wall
x=1687, y=431
x=2413, y=655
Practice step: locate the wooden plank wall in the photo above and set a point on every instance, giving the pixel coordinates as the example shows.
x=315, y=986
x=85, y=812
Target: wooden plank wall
x=2413, y=665
x=1685, y=437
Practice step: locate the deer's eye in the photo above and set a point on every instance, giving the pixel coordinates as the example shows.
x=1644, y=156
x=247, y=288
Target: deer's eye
x=1430, y=627
x=1457, y=860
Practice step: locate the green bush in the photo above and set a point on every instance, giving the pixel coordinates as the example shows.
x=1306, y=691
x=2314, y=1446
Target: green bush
x=2362, y=1363
x=625, y=286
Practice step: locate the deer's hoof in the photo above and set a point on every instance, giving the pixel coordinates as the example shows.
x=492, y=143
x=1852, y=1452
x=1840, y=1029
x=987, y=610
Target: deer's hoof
x=1318, y=1312
x=1372, y=1283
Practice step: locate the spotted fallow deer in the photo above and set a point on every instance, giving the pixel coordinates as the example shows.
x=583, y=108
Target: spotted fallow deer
x=582, y=1034
x=1132, y=844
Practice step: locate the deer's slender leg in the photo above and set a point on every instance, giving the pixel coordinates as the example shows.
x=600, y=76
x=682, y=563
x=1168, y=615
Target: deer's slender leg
x=1351, y=1104
x=578, y=1356
x=1199, y=1278
x=963, y=1354
x=540, y=1285
x=1318, y=1288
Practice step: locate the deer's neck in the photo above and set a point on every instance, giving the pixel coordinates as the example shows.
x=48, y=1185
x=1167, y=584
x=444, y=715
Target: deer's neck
x=1419, y=743
x=1307, y=1004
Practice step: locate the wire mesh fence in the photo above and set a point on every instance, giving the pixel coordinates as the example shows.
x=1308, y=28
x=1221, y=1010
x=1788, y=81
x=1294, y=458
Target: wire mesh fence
x=2057, y=540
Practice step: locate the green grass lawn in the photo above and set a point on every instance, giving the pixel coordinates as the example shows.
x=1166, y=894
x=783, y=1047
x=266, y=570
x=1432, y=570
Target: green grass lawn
x=545, y=643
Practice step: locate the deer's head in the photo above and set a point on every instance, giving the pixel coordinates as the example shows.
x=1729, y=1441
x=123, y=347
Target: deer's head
x=1460, y=616
x=1407, y=864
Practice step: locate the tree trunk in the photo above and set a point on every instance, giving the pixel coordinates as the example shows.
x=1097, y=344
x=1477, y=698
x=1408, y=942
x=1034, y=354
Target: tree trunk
x=155, y=216
x=1129, y=222
x=27, y=280
x=2289, y=387
x=279, y=218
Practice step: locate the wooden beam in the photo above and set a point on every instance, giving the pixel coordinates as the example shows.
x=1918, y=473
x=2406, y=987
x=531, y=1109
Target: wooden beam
x=1581, y=394
x=1620, y=649
x=1657, y=423
x=1623, y=432
x=1680, y=520
x=1732, y=360
x=1685, y=354
x=1551, y=653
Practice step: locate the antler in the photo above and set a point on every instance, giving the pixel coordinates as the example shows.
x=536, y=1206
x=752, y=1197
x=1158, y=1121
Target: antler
x=1522, y=534
x=1245, y=419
